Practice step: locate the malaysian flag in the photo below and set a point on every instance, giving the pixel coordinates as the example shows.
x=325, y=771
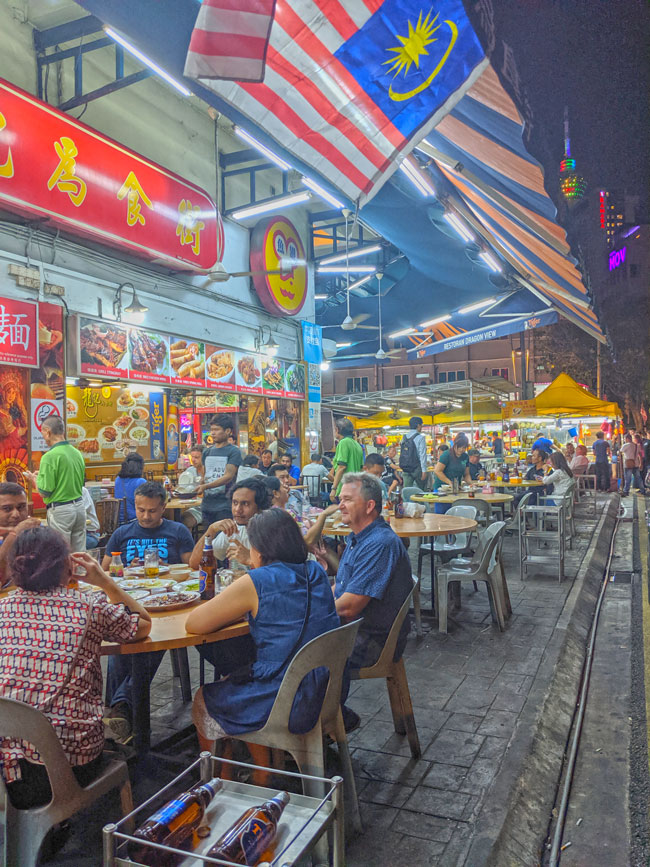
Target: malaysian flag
x=351, y=85
x=230, y=39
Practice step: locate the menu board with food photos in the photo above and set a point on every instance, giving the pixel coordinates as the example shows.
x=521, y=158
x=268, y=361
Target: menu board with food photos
x=106, y=423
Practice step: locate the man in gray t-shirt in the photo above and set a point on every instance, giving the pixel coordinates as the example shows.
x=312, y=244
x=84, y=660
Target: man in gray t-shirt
x=221, y=462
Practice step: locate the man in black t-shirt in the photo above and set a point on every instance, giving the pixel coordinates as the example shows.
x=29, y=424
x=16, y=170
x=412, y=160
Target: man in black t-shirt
x=175, y=544
x=221, y=462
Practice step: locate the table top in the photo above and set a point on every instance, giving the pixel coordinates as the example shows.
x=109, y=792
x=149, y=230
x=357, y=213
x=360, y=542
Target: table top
x=451, y=498
x=177, y=503
x=428, y=525
x=523, y=483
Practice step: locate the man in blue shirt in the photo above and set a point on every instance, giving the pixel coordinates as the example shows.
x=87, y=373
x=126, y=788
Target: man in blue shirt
x=374, y=575
x=287, y=462
x=175, y=544
x=602, y=451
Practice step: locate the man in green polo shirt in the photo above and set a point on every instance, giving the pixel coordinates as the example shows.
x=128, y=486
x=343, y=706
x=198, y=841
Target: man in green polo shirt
x=60, y=481
x=348, y=457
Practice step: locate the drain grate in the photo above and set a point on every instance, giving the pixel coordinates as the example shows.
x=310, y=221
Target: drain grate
x=622, y=577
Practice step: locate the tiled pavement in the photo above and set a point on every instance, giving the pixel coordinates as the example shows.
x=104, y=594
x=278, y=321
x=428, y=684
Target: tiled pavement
x=468, y=690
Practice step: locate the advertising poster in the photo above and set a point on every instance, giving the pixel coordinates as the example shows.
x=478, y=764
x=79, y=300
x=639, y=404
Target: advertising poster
x=157, y=425
x=227, y=402
x=173, y=436
x=14, y=424
x=220, y=367
x=148, y=356
x=187, y=361
x=106, y=423
x=103, y=348
x=41, y=409
x=273, y=377
x=314, y=382
x=18, y=332
x=294, y=381
x=248, y=375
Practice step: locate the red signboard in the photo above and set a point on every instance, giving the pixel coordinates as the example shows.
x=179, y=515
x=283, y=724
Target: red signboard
x=18, y=332
x=54, y=166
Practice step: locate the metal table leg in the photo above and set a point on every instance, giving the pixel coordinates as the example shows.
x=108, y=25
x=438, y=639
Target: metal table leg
x=140, y=700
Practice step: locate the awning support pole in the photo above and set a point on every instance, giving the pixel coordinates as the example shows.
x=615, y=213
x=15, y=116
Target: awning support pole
x=471, y=412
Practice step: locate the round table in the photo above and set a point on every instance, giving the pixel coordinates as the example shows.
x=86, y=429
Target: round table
x=178, y=505
x=521, y=484
x=496, y=499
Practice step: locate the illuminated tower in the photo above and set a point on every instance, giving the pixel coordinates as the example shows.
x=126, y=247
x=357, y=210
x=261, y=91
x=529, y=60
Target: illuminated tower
x=572, y=185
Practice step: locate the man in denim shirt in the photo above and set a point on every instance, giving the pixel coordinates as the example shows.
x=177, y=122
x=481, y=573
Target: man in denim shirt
x=374, y=575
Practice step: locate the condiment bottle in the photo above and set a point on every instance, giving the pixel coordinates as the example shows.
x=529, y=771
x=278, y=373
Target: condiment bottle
x=116, y=567
x=173, y=824
x=207, y=571
x=252, y=834
x=399, y=503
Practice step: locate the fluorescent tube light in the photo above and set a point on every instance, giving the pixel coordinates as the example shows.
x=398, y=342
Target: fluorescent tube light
x=361, y=282
x=434, y=321
x=491, y=262
x=147, y=62
x=477, y=306
x=320, y=297
x=262, y=148
x=273, y=205
x=407, y=411
x=352, y=254
x=417, y=178
x=341, y=345
x=402, y=333
x=320, y=191
x=339, y=269
x=384, y=406
x=460, y=227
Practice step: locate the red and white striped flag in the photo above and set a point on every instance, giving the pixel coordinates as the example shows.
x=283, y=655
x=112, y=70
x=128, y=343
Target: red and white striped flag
x=230, y=39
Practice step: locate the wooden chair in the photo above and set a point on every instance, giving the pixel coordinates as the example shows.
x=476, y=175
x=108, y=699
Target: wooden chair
x=396, y=681
x=22, y=831
x=109, y=515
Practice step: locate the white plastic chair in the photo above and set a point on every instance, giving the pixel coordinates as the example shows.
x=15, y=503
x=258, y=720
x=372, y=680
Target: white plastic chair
x=440, y=546
x=23, y=831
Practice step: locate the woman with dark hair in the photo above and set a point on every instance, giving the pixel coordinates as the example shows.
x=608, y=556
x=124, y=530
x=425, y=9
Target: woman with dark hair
x=129, y=480
x=47, y=626
x=287, y=601
x=452, y=463
x=278, y=491
x=560, y=477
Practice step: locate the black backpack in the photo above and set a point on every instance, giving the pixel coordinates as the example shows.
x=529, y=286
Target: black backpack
x=409, y=460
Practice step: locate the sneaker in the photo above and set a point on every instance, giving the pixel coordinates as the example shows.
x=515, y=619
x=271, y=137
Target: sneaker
x=117, y=724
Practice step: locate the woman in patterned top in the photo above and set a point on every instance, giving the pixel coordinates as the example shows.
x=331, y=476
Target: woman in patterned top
x=50, y=640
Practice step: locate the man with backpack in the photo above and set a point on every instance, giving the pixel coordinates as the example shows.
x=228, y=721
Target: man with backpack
x=413, y=455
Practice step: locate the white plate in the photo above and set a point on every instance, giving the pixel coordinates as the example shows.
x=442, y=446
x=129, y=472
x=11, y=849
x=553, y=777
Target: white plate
x=138, y=571
x=149, y=584
x=191, y=584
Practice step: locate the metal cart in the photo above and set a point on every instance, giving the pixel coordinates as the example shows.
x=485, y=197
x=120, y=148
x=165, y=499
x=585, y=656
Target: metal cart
x=301, y=830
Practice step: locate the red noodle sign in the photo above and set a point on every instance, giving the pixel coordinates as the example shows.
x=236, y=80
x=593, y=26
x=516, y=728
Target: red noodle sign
x=18, y=332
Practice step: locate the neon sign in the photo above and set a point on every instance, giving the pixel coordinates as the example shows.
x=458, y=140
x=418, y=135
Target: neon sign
x=617, y=258
x=602, y=209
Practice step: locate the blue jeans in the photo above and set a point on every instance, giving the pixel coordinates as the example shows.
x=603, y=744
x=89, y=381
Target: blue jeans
x=118, y=677
x=633, y=476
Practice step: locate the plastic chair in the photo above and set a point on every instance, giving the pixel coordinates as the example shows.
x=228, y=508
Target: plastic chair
x=330, y=650
x=483, y=511
x=484, y=571
x=465, y=563
x=408, y=492
x=442, y=547
x=396, y=680
x=513, y=523
x=23, y=831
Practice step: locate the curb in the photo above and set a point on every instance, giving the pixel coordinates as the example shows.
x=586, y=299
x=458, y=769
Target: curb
x=514, y=822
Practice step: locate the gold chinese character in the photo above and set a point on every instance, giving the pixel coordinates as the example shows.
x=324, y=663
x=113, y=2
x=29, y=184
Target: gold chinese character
x=63, y=177
x=7, y=168
x=133, y=191
x=189, y=226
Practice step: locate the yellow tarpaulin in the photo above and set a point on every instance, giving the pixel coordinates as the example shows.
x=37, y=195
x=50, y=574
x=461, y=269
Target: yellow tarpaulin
x=487, y=410
x=563, y=397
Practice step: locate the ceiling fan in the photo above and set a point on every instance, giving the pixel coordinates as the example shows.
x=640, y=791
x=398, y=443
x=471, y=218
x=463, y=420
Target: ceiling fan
x=218, y=273
x=381, y=354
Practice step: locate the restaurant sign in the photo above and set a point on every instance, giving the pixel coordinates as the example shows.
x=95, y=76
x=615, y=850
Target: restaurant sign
x=53, y=166
x=120, y=351
x=279, y=267
x=18, y=331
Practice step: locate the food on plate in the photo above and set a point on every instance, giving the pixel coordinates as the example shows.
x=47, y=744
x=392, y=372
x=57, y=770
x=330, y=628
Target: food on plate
x=148, y=352
x=295, y=379
x=183, y=354
x=140, y=396
x=248, y=369
x=72, y=407
x=74, y=432
x=192, y=369
x=109, y=434
x=102, y=344
x=191, y=585
x=139, y=413
x=205, y=401
x=178, y=344
x=174, y=599
x=123, y=422
x=272, y=376
x=225, y=400
x=89, y=447
x=220, y=364
x=139, y=434
x=125, y=399
x=130, y=584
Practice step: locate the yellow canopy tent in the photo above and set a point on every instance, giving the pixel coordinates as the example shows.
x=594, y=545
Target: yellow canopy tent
x=563, y=397
x=486, y=410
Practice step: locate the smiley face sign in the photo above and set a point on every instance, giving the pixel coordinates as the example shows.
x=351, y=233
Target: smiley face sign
x=276, y=246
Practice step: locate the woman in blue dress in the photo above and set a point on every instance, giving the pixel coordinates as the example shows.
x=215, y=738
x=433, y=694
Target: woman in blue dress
x=288, y=601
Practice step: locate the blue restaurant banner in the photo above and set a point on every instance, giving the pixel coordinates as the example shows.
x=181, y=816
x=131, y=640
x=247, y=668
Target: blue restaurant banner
x=157, y=424
x=312, y=341
x=489, y=332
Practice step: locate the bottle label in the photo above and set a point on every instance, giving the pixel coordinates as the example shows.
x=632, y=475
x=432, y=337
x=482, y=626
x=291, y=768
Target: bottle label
x=169, y=812
x=203, y=578
x=255, y=838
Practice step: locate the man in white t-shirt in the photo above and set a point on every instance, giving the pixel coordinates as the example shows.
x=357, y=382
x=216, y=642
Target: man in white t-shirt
x=631, y=458
x=229, y=536
x=312, y=475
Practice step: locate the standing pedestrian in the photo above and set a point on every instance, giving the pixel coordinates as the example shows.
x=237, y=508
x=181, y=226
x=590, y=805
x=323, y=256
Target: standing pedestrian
x=221, y=462
x=631, y=465
x=413, y=455
x=348, y=457
x=60, y=481
x=602, y=451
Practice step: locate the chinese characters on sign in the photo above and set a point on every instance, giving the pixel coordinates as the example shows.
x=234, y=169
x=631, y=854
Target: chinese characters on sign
x=18, y=332
x=55, y=167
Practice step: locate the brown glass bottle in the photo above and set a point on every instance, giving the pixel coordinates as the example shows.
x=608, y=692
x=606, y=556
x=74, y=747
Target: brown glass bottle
x=207, y=571
x=173, y=824
x=252, y=834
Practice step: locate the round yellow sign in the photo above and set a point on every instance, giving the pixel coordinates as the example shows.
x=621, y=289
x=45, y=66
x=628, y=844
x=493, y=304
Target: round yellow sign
x=276, y=246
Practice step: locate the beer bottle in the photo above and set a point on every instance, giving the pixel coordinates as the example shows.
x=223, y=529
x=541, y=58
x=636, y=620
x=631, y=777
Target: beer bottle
x=207, y=571
x=399, y=503
x=252, y=834
x=173, y=824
